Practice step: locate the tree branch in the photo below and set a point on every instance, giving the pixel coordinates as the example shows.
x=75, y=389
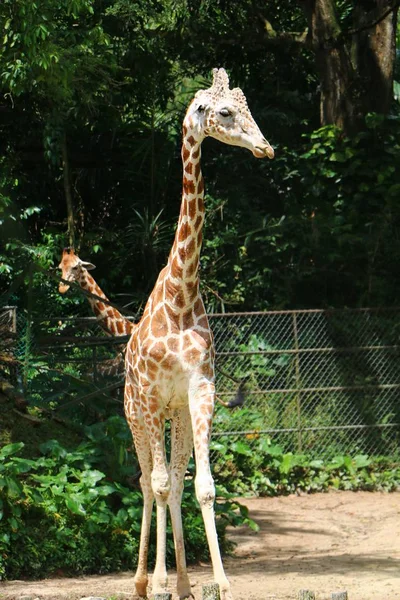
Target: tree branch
x=375, y=22
x=68, y=192
x=293, y=37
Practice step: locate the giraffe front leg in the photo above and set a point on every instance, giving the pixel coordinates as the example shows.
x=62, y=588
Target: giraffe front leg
x=201, y=409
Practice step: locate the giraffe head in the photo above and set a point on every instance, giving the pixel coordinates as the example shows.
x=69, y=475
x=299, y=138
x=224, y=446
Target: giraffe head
x=71, y=267
x=222, y=113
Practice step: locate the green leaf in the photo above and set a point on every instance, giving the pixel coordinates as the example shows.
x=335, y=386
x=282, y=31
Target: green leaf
x=241, y=448
x=75, y=505
x=338, y=157
x=22, y=465
x=11, y=449
x=14, y=487
x=53, y=448
x=90, y=478
x=106, y=490
x=288, y=461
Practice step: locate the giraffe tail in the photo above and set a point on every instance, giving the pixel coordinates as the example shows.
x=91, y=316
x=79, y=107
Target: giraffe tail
x=238, y=399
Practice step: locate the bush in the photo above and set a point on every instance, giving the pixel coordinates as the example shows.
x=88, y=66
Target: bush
x=267, y=470
x=59, y=512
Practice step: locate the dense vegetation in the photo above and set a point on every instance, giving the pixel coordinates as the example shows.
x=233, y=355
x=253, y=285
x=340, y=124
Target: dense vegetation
x=78, y=510
x=92, y=98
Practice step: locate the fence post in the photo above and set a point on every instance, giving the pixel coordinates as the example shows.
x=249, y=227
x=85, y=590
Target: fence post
x=339, y=596
x=298, y=392
x=211, y=591
x=306, y=595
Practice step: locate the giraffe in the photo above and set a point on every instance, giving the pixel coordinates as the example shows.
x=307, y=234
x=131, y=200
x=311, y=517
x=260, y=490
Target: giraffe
x=108, y=317
x=170, y=355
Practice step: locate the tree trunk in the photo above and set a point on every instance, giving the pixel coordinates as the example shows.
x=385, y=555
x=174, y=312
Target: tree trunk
x=376, y=53
x=355, y=66
x=68, y=192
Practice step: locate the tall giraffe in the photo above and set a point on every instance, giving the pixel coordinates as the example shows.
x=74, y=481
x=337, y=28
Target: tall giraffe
x=170, y=356
x=114, y=323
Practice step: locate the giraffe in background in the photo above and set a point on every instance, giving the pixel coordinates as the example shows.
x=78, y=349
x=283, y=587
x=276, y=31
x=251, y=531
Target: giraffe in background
x=170, y=356
x=114, y=323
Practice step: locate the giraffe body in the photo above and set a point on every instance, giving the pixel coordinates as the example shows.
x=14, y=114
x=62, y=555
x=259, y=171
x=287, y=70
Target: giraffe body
x=170, y=356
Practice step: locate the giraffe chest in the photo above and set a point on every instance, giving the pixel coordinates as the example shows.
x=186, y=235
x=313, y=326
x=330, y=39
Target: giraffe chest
x=167, y=368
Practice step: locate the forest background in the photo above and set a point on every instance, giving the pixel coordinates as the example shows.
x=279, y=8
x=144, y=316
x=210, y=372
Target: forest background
x=93, y=93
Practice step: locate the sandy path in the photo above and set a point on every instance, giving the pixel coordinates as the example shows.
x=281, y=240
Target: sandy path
x=322, y=542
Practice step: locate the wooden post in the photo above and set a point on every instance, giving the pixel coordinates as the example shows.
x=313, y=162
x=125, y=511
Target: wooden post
x=211, y=591
x=339, y=596
x=164, y=596
x=306, y=595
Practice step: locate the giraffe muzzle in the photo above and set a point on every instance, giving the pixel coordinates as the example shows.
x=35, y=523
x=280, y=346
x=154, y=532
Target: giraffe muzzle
x=263, y=151
x=63, y=287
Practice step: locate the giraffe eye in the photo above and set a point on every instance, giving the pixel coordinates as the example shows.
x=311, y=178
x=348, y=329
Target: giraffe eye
x=224, y=112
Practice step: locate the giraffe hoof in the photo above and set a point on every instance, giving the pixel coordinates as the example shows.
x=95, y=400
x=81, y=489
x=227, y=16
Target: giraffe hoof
x=185, y=594
x=141, y=588
x=226, y=594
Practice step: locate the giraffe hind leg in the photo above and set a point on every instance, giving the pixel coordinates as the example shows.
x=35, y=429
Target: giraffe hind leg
x=181, y=449
x=143, y=452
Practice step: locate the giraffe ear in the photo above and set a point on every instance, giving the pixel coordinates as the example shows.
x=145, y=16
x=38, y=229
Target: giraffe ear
x=89, y=266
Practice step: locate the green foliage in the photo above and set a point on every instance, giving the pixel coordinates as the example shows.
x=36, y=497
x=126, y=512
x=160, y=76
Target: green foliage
x=253, y=465
x=109, y=83
x=61, y=512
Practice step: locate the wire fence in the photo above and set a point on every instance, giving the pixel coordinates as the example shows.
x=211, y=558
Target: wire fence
x=316, y=382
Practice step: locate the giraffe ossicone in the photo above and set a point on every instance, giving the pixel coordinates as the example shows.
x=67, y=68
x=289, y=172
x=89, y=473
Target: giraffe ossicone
x=170, y=356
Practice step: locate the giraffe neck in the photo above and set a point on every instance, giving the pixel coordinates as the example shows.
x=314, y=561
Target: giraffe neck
x=183, y=262
x=109, y=318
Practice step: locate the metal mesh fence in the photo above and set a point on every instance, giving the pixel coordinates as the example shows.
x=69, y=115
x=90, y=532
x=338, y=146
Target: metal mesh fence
x=319, y=382
x=316, y=382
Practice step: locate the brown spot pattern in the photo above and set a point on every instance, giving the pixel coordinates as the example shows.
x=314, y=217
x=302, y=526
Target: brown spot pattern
x=173, y=344
x=188, y=186
x=180, y=299
x=159, y=327
x=192, y=208
x=184, y=231
x=175, y=269
x=187, y=319
x=158, y=351
x=191, y=268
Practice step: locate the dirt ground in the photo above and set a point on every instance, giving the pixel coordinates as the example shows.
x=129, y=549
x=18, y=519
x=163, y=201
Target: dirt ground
x=323, y=542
